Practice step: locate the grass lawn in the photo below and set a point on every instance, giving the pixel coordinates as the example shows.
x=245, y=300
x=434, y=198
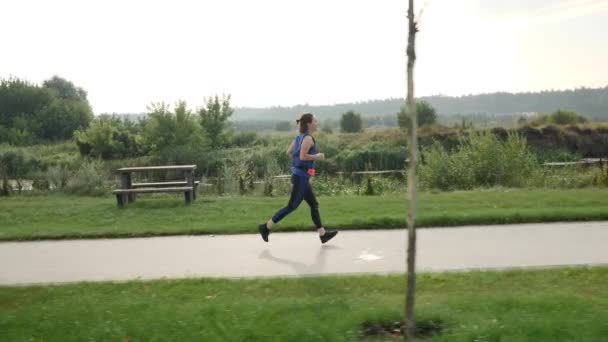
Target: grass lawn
x=53, y=216
x=569, y=304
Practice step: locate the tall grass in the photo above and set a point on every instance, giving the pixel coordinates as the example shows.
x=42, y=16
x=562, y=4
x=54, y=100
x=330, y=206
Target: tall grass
x=88, y=179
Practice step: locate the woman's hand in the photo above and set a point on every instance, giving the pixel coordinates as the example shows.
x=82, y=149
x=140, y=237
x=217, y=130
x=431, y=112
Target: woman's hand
x=320, y=156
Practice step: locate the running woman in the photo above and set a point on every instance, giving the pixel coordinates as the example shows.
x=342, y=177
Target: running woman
x=303, y=151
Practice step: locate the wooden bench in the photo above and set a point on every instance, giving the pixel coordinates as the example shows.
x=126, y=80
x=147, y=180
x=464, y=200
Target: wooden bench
x=128, y=190
x=165, y=184
x=122, y=195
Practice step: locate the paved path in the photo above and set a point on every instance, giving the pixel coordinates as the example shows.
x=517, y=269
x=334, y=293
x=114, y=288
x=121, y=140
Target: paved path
x=292, y=254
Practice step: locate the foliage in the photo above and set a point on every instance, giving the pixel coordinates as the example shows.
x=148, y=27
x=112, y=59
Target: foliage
x=481, y=159
x=426, y=115
x=351, y=122
x=88, y=179
x=283, y=126
x=109, y=137
x=559, y=117
x=213, y=118
x=30, y=113
x=167, y=129
x=17, y=165
x=57, y=177
x=242, y=139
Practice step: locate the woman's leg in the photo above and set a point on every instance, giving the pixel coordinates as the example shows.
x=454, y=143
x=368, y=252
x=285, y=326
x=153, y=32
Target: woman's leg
x=300, y=185
x=310, y=198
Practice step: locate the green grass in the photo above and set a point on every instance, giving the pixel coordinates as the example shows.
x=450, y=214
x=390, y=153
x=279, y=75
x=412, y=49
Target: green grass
x=58, y=216
x=540, y=305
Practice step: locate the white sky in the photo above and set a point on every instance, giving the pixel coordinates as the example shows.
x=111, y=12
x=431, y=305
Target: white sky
x=127, y=54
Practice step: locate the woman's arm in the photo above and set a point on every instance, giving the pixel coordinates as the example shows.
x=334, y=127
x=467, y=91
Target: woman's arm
x=306, y=145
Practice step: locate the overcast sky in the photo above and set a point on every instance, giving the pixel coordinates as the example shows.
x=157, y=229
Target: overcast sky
x=127, y=54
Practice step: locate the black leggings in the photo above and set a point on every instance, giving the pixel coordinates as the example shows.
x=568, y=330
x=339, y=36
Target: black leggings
x=301, y=190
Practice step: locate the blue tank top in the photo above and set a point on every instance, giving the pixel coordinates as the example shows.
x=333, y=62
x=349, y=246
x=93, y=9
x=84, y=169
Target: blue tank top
x=301, y=166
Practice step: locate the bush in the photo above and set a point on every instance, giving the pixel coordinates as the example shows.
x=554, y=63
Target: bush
x=57, y=177
x=440, y=170
x=16, y=164
x=370, y=158
x=243, y=139
x=165, y=128
x=351, y=122
x=562, y=117
x=39, y=182
x=481, y=159
x=327, y=130
x=425, y=114
x=600, y=177
x=283, y=126
x=561, y=178
x=559, y=117
x=108, y=138
x=88, y=179
x=179, y=155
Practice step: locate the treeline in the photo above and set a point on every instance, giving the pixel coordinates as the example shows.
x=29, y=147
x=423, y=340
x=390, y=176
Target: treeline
x=591, y=102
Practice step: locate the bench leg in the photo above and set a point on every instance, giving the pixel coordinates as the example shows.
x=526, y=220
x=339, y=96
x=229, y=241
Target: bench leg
x=132, y=197
x=195, y=191
x=188, y=196
x=121, y=200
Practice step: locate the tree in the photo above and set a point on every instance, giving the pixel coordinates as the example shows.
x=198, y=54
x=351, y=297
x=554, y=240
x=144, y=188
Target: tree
x=213, y=118
x=51, y=112
x=351, y=122
x=283, y=126
x=59, y=119
x=166, y=129
x=410, y=322
x=70, y=110
x=426, y=115
x=20, y=102
x=109, y=137
x=66, y=89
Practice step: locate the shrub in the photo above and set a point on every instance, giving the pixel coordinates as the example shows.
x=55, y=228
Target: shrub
x=559, y=117
x=481, y=159
x=88, y=179
x=57, y=177
x=351, y=122
x=426, y=115
x=243, y=139
x=109, y=138
x=16, y=164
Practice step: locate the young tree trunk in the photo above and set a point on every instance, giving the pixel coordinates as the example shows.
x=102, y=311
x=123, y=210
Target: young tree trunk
x=410, y=322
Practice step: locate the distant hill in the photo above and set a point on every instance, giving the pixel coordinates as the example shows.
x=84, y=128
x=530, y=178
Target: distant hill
x=591, y=102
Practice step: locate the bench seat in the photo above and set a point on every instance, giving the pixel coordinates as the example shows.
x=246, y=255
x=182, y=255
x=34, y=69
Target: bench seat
x=162, y=184
x=124, y=196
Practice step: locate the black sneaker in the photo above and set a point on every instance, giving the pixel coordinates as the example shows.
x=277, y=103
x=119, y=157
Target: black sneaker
x=264, y=231
x=328, y=235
